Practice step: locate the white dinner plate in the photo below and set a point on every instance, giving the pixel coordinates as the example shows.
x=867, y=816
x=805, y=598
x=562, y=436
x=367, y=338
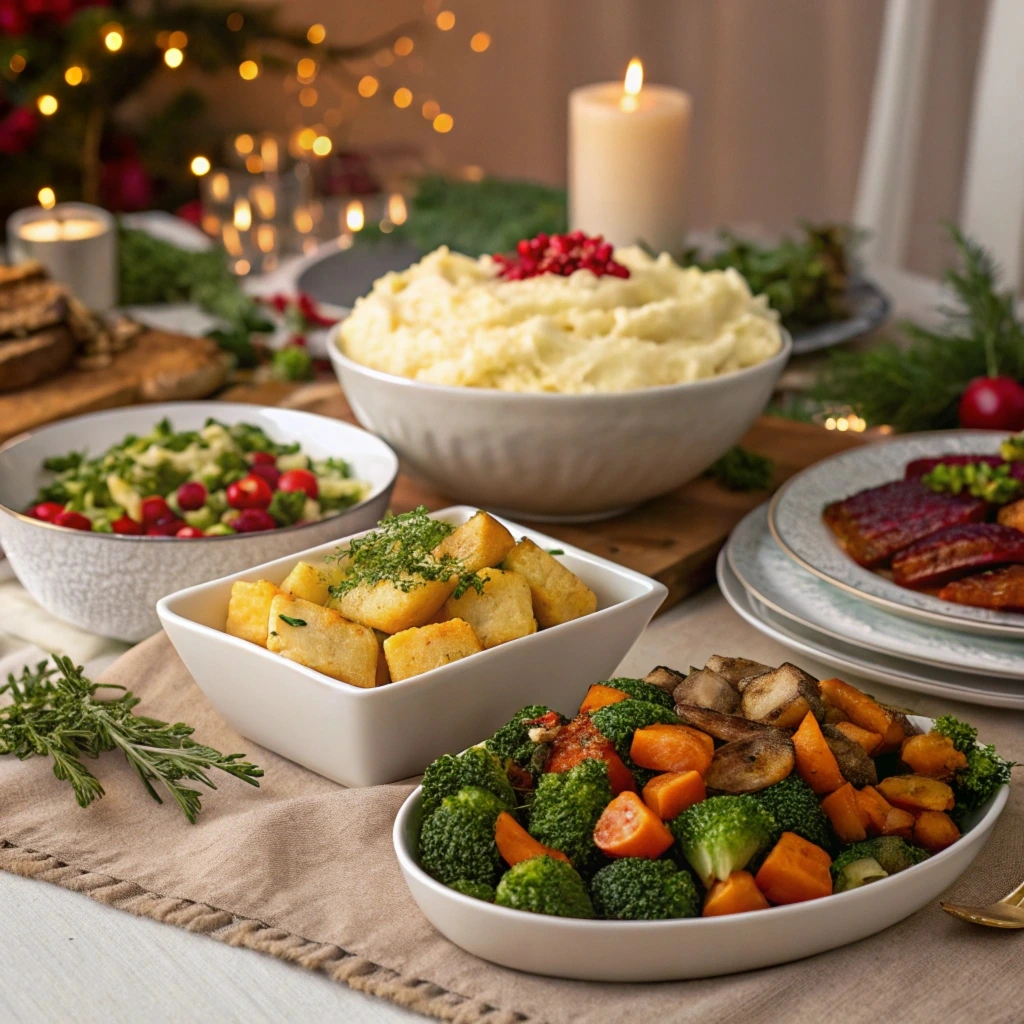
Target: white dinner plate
x=790, y=591
x=796, y=522
x=880, y=668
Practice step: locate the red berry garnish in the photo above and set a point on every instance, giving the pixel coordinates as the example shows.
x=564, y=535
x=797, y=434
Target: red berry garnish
x=299, y=480
x=167, y=526
x=251, y=520
x=191, y=495
x=154, y=508
x=269, y=473
x=72, y=520
x=126, y=525
x=263, y=459
x=190, y=532
x=47, y=511
x=559, y=254
x=249, y=492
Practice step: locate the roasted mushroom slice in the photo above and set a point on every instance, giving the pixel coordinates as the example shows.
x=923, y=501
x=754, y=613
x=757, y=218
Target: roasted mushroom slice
x=751, y=764
x=707, y=690
x=736, y=670
x=714, y=723
x=665, y=678
x=782, y=697
x=854, y=763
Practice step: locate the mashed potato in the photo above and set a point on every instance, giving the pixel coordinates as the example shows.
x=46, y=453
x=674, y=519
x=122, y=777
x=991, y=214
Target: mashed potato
x=450, y=319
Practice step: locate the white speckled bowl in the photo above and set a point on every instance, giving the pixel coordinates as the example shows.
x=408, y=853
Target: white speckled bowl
x=110, y=584
x=558, y=457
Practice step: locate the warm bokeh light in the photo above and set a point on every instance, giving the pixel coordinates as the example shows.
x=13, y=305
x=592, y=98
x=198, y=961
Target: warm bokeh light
x=243, y=214
x=322, y=145
x=47, y=198
x=266, y=236
x=367, y=86
x=444, y=123
x=269, y=153
x=316, y=34
x=113, y=37
x=235, y=21
x=445, y=20
x=17, y=64
x=200, y=165
x=243, y=144
x=383, y=58
x=264, y=200
x=178, y=39
x=397, y=212
x=248, y=69
x=254, y=163
x=220, y=186
x=303, y=220
x=307, y=137
x=211, y=223
x=47, y=104
x=402, y=97
x=74, y=75
x=480, y=42
x=242, y=267
x=163, y=39
x=431, y=109
x=333, y=117
x=306, y=69
x=231, y=239
x=355, y=218
x=308, y=96
x=404, y=46
x=173, y=57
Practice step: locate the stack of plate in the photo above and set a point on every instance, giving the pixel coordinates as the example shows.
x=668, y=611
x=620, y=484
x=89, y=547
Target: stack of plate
x=783, y=572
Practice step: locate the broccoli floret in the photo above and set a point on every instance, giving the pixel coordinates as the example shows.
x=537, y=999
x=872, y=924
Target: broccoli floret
x=619, y=721
x=890, y=855
x=642, y=691
x=512, y=740
x=543, y=885
x=457, y=840
x=795, y=808
x=476, y=767
x=478, y=890
x=636, y=889
x=986, y=771
x=722, y=834
x=565, y=810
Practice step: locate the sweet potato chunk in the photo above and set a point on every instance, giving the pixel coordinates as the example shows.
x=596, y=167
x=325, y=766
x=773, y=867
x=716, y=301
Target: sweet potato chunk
x=671, y=748
x=932, y=754
x=917, y=793
x=866, y=712
x=782, y=697
x=600, y=696
x=849, y=822
x=668, y=795
x=815, y=762
x=935, y=830
x=738, y=894
x=795, y=871
x=875, y=809
x=751, y=764
x=707, y=689
x=899, y=822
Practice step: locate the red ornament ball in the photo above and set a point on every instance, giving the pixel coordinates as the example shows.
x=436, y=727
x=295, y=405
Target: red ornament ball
x=992, y=403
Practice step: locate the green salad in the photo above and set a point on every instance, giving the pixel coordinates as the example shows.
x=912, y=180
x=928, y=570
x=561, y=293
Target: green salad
x=219, y=480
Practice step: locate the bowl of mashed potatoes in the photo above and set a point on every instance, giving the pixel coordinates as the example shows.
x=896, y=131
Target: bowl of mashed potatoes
x=559, y=397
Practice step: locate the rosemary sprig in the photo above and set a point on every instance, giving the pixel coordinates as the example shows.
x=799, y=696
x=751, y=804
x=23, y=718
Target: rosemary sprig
x=60, y=717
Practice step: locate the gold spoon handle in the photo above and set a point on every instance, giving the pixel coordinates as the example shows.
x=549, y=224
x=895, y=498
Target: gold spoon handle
x=1016, y=898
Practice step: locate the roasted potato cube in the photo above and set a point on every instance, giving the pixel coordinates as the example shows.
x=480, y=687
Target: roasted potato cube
x=502, y=611
x=1012, y=514
x=321, y=639
x=737, y=671
x=249, y=610
x=388, y=608
x=480, y=543
x=558, y=594
x=310, y=582
x=665, y=678
x=420, y=649
x=383, y=673
x=707, y=689
x=782, y=697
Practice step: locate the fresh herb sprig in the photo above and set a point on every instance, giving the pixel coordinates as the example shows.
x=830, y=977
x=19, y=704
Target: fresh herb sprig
x=992, y=483
x=401, y=551
x=55, y=713
x=740, y=469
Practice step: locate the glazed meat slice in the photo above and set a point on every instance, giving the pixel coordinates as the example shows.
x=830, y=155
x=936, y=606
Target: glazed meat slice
x=1002, y=590
x=919, y=467
x=957, y=551
x=873, y=525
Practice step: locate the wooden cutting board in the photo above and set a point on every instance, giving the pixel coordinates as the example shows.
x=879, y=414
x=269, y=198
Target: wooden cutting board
x=158, y=367
x=675, y=539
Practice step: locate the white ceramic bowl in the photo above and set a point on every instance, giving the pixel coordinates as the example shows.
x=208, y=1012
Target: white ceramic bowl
x=688, y=948
x=108, y=583
x=551, y=456
x=367, y=737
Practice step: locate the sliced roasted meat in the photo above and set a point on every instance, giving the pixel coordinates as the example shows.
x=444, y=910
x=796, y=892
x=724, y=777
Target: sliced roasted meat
x=736, y=670
x=782, y=697
x=957, y=551
x=1001, y=590
x=720, y=726
x=751, y=764
x=873, y=525
x=707, y=689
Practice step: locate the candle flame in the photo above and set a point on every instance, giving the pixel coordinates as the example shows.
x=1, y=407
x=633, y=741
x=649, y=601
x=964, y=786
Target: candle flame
x=633, y=83
x=243, y=214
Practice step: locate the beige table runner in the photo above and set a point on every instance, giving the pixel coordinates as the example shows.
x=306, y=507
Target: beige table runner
x=303, y=869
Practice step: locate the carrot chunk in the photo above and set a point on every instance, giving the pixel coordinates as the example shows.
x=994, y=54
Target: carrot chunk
x=864, y=711
x=736, y=895
x=874, y=807
x=670, y=794
x=935, y=830
x=917, y=793
x=795, y=871
x=848, y=820
x=932, y=754
x=670, y=748
x=515, y=843
x=870, y=741
x=600, y=696
x=899, y=822
x=815, y=762
x=629, y=828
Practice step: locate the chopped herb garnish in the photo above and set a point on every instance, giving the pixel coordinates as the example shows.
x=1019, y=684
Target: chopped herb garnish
x=292, y=621
x=401, y=551
x=742, y=470
x=993, y=483
x=555, y=551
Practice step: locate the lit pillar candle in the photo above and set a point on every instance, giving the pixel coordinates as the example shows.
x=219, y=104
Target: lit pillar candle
x=77, y=244
x=627, y=161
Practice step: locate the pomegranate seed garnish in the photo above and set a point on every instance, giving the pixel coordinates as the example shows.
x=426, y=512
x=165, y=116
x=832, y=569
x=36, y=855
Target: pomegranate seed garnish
x=559, y=254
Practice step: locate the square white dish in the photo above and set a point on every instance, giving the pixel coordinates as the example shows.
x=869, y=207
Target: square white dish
x=369, y=737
